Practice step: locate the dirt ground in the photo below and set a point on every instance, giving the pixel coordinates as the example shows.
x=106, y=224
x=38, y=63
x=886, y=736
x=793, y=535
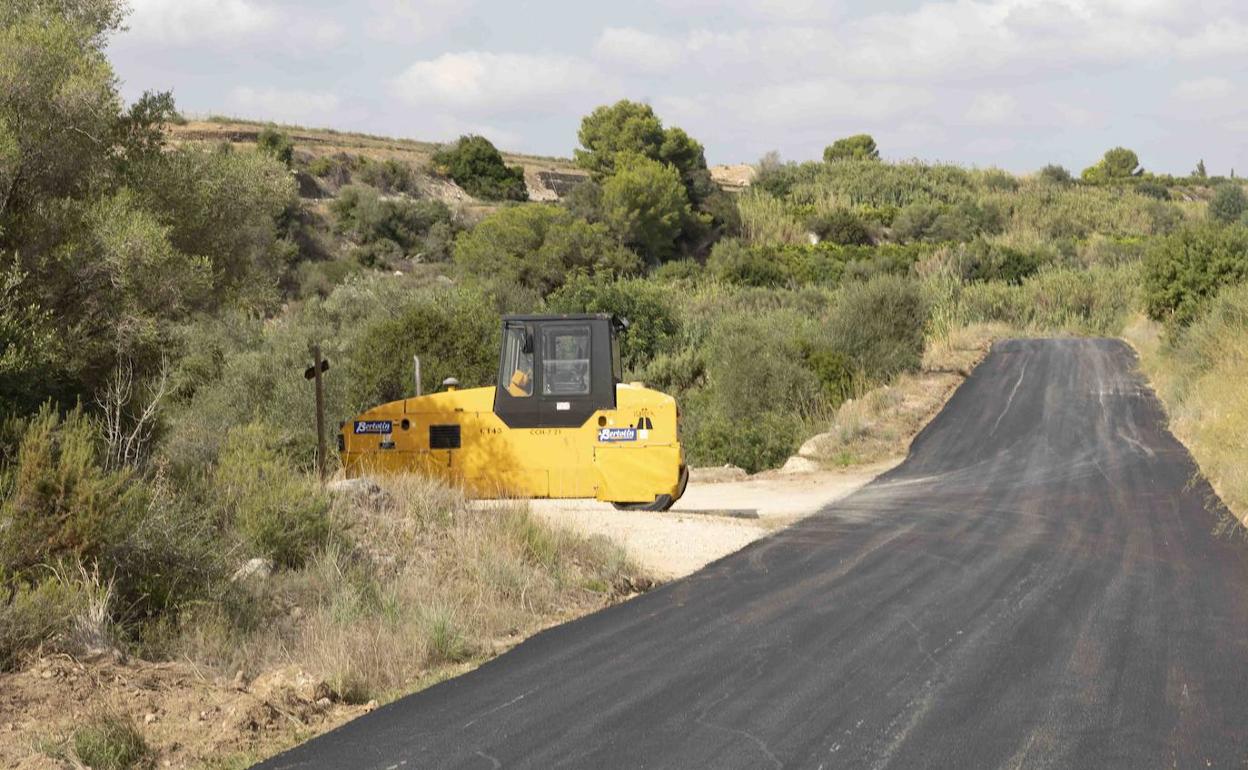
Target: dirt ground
x=712, y=520
x=191, y=716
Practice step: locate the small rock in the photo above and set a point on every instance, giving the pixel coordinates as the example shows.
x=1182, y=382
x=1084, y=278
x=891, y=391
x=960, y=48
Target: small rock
x=257, y=568
x=150, y=718
x=324, y=703
x=362, y=491
x=798, y=464
x=813, y=448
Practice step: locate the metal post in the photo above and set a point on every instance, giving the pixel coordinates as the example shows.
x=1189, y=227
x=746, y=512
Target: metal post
x=320, y=411
x=416, y=367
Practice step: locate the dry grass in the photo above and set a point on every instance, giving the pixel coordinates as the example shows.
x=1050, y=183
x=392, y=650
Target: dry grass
x=1199, y=375
x=428, y=586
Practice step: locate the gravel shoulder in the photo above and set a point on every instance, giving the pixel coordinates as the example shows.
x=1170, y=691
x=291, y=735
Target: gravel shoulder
x=713, y=519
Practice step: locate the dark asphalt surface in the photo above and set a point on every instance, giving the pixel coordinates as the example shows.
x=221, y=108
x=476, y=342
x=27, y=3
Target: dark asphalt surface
x=1036, y=586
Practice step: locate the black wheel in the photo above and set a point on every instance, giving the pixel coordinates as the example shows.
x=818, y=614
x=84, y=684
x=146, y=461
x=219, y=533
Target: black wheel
x=660, y=503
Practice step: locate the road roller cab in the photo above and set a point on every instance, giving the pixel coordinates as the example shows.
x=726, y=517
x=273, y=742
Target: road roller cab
x=559, y=422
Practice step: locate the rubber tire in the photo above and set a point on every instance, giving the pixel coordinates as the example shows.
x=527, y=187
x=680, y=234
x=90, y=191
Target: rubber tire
x=660, y=503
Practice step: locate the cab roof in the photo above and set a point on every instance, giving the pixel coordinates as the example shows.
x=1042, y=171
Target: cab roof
x=560, y=317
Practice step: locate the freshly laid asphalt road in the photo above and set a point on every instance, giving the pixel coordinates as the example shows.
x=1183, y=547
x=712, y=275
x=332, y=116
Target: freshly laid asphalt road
x=1037, y=586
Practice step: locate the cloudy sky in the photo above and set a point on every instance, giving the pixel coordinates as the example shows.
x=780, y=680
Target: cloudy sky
x=1009, y=83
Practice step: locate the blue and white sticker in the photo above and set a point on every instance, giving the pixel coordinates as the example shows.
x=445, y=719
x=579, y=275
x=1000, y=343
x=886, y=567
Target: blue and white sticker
x=373, y=426
x=617, y=434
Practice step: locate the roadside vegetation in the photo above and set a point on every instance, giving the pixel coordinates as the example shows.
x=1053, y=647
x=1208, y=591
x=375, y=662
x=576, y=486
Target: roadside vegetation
x=158, y=301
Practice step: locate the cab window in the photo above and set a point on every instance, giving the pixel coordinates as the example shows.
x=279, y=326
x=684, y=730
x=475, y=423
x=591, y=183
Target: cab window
x=517, y=371
x=565, y=361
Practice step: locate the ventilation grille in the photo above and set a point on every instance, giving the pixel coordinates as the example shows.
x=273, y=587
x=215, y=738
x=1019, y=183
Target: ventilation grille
x=444, y=437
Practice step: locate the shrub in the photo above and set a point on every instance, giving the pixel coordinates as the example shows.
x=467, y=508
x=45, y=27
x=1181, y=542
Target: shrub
x=477, y=166
x=61, y=501
x=276, y=510
x=766, y=219
x=277, y=145
x=733, y=262
x=1092, y=301
x=538, y=246
x=455, y=333
x=1154, y=190
x=879, y=325
x=841, y=226
x=1184, y=269
x=645, y=205
x=1116, y=165
x=645, y=304
x=755, y=365
x=111, y=742
x=362, y=214
x=857, y=147
x=982, y=261
x=389, y=175
x=755, y=444
x=915, y=222
x=997, y=180
x=1229, y=203
x=50, y=612
x=677, y=270
x=1055, y=174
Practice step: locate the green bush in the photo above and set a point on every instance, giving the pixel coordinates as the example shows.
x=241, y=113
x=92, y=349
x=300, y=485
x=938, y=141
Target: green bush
x=645, y=204
x=60, y=501
x=1055, y=174
x=857, y=147
x=733, y=262
x=1056, y=299
x=1229, y=203
x=455, y=333
x=111, y=742
x=879, y=326
x=755, y=444
x=276, y=510
x=335, y=168
x=677, y=270
x=277, y=145
x=361, y=213
x=840, y=226
x=476, y=165
x=645, y=304
x=1184, y=269
x=980, y=260
x=389, y=175
x=755, y=365
x=1155, y=190
x=538, y=246
x=1117, y=165
x=38, y=613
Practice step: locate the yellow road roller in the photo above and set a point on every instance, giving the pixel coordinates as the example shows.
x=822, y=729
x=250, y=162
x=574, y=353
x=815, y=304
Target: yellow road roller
x=559, y=423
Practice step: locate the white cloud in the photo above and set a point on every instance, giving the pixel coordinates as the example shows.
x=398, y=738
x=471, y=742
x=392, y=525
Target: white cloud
x=633, y=49
x=1204, y=89
x=284, y=106
x=478, y=81
x=993, y=109
x=407, y=20
x=1226, y=37
x=179, y=22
